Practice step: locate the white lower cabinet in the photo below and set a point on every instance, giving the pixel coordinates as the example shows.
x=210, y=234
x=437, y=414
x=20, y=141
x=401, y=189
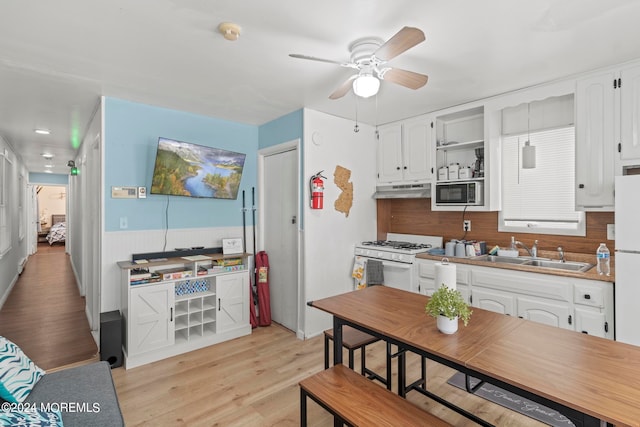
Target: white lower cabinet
x=492, y=300
x=552, y=313
x=161, y=324
x=565, y=302
x=152, y=326
x=233, y=297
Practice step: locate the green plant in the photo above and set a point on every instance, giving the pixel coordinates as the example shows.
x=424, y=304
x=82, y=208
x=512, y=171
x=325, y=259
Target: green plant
x=448, y=302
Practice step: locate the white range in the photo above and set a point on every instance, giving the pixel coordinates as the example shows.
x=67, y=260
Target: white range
x=398, y=254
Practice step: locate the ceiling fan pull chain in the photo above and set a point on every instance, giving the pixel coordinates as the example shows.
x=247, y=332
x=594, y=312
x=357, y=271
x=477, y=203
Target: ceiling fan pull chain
x=356, y=128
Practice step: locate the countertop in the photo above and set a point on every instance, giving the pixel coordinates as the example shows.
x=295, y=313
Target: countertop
x=591, y=274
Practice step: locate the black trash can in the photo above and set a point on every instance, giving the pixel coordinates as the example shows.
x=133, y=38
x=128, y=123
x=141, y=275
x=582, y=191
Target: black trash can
x=111, y=338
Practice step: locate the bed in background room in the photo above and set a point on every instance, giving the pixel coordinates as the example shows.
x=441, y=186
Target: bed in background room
x=58, y=231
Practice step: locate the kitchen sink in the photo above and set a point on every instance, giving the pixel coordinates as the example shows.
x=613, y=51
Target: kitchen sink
x=568, y=265
x=502, y=259
x=537, y=262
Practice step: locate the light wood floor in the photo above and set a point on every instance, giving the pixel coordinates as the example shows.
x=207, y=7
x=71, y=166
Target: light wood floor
x=44, y=314
x=253, y=381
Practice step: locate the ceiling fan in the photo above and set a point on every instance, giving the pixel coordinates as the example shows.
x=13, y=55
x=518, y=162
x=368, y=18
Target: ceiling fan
x=369, y=57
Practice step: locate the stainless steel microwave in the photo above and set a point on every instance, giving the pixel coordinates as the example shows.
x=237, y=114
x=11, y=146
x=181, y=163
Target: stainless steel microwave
x=460, y=193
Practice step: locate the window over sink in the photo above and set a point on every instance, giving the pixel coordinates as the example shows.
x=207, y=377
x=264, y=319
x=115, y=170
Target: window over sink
x=540, y=199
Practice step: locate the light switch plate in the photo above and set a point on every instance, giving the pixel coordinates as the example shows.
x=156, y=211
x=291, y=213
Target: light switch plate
x=611, y=232
x=232, y=246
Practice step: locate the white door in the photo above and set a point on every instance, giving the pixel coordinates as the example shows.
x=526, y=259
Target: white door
x=279, y=193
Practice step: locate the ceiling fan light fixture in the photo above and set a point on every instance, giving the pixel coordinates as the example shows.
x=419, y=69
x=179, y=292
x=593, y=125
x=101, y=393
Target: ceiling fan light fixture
x=366, y=85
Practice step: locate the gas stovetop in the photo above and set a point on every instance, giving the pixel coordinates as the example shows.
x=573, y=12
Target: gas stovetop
x=398, y=245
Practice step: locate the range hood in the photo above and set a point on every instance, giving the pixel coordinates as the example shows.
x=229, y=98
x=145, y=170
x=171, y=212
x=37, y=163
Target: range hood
x=405, y=191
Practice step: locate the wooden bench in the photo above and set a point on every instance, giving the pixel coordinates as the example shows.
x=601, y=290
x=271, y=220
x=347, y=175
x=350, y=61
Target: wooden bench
x=356, y=401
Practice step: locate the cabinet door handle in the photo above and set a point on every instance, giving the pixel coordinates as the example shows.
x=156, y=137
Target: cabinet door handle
x=171, y=316
x=587, y=296
x=218, y=304
x=398, y=168
x=580, y=185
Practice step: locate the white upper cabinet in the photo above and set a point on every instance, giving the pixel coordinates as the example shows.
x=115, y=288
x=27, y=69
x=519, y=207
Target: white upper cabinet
x=416, y=136
x=630, y=114
x=404, y=152
x=607, y=133
x=390, y=165
x=595, y=142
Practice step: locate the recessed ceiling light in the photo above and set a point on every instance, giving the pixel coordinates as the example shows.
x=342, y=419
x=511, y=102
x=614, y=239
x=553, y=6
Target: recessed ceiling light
x=48, y=166
x=43, y=131
x=48, y=171
x=47, y=156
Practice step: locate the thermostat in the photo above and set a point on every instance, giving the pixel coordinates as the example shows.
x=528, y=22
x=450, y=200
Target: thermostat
x=142, y=192
x=124, y=192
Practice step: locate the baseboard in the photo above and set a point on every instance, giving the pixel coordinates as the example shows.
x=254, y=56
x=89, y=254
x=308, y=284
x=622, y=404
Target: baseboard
x=8, y=291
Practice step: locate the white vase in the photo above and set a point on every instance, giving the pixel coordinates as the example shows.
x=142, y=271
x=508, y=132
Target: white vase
x=446, y=325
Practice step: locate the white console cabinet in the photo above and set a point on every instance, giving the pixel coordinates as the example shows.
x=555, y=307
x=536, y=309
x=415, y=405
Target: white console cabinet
x=173, y=316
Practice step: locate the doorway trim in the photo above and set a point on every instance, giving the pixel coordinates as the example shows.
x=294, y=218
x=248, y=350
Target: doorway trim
x=262, y=153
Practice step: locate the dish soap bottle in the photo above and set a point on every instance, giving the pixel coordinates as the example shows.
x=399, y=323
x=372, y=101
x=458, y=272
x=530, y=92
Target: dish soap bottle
x=602, y=258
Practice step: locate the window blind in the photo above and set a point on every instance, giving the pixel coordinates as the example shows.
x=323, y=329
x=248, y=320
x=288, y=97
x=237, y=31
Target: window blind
x=546, y=193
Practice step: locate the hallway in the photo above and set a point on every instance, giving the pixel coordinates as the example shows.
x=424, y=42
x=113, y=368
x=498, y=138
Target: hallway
x=44, y=313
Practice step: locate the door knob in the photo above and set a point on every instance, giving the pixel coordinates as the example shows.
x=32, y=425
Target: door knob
x=293, y=219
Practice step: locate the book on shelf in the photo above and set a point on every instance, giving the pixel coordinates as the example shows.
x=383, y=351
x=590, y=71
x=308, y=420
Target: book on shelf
x=225, y=262
x=221, y=268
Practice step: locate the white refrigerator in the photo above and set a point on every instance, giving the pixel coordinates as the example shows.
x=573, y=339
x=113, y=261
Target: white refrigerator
x=627, y=259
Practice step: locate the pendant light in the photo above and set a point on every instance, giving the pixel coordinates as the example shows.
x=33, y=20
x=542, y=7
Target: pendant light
x=528, y=150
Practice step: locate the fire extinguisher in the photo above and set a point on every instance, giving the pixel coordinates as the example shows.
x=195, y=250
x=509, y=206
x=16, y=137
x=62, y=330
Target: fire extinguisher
x=316, y=185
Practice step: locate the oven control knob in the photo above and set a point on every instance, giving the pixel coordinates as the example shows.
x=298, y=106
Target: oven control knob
x=380, y=255
x=395, y=257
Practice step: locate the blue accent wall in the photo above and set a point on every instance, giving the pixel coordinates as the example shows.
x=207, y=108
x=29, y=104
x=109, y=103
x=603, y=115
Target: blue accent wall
x=131, y=132
x=284, y=129
x=48, y=178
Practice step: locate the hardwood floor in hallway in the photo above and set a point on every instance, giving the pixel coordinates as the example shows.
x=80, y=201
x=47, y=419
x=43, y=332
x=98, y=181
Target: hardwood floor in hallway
x=45, y=314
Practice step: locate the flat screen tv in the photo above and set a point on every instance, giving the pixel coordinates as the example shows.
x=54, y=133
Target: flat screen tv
x=185, y=169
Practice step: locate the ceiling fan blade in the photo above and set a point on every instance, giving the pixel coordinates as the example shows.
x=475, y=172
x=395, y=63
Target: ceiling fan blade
x=404, y=78
x=344, y=89
x=404, y=39
x=330, y=61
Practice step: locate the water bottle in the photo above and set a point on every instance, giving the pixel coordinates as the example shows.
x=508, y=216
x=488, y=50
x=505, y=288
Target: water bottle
x=602, y=255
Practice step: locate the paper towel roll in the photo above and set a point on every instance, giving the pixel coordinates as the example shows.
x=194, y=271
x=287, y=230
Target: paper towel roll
x=445, y=273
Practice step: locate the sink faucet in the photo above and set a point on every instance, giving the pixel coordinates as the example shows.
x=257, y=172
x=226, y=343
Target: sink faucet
x=533, y=252
x=561, y=253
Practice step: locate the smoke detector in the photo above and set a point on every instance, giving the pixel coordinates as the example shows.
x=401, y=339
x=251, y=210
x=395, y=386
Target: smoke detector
x=229, y=30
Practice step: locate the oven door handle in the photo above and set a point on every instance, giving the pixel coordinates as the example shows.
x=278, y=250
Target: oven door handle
x=396, y=264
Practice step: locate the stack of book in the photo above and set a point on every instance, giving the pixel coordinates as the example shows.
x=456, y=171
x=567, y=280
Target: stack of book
x=226, y=264
x=138, y=276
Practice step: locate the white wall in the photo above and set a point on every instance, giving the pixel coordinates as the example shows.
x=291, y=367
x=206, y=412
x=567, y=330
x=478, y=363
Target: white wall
x=17, y=221
x=329, y=237
x=120, y=245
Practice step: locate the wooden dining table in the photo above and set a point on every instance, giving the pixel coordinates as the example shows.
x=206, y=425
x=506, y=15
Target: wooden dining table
x=590, y=380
